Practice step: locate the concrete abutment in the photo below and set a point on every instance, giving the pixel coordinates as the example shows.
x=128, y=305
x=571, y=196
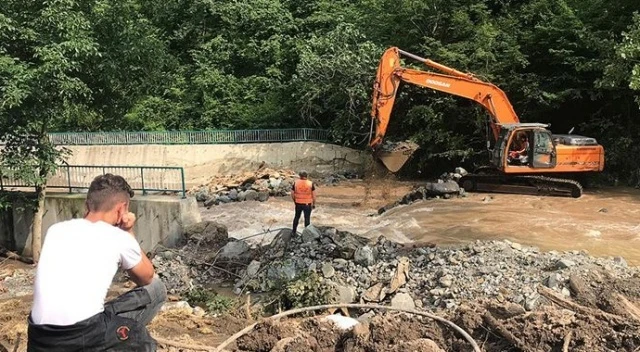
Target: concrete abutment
x=160, y=219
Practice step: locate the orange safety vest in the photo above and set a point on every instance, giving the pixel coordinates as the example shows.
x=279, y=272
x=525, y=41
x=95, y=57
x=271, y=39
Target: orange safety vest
x=303, y=192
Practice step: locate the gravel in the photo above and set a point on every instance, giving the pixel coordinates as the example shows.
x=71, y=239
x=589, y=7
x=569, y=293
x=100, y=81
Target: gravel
x=438, y=277
x=379, y=270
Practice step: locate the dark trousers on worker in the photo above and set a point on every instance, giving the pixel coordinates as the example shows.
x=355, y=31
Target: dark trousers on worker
x=121, y=327
x=302, y=208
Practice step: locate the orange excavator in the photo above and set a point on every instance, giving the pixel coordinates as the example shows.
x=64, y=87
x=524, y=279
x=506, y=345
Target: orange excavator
x=526, y=157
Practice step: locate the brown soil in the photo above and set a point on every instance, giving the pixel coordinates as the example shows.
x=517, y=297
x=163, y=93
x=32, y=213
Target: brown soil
x=607, y=320
x=383, y=333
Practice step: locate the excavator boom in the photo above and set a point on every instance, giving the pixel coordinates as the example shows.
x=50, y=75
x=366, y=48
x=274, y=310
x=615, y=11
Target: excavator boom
x=454, y=82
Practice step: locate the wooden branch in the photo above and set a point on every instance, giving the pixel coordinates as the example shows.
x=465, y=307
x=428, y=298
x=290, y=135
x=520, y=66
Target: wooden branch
x=499, y=328
x=632, y=310
x=187, y=346
x=561, y=301
x=567, y=342
x=11, y=255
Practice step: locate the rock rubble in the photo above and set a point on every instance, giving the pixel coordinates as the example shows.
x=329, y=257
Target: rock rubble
x=445, y=187
x=247, y=186
x=381, y=271
x=434, y=277
x=256, y=186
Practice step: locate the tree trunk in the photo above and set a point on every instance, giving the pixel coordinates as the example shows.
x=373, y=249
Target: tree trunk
x=36, y=229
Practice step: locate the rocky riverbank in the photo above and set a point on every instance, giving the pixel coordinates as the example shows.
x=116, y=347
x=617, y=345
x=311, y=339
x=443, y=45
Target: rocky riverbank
x=525, y=297
x=381, y=271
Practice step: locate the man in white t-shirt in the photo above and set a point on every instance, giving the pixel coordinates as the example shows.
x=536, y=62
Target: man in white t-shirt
x=76, y=268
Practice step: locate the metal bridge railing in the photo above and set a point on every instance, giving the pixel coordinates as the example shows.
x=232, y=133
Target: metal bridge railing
x=189, y=137
x=79, y=177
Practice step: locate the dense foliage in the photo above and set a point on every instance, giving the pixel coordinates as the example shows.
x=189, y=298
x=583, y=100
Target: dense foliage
x=205, y=64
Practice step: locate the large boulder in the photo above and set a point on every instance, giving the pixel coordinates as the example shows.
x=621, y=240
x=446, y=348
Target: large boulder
x=209, y=232
x=346, y=244
x=251, y=195
x=365, y=256
x=283, y=271
x=235, y=250
x=341, y=294
x=403, y=301
x=263, y=196
x=202, y=194
x=211, y=201
x=442, y=188
x=310, y=234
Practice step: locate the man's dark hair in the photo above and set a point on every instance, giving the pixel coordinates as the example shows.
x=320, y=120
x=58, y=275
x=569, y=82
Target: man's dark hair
x=107, y=190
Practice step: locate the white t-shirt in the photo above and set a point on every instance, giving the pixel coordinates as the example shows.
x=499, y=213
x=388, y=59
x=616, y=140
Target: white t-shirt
x=76, y=268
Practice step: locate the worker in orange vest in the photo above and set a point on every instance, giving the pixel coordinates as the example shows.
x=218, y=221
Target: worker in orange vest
x=303, y=194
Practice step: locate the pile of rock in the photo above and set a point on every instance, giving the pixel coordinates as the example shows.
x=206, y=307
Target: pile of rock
x=385, y=272
x=336, y=178
x=249, y=186
x=381, y=271
x=456, y=175
x=207, y=256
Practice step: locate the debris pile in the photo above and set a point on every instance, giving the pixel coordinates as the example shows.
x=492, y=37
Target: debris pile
x=503, y=292
x=445, y=187
x=382, y=271
x=336, y=178
x=257, y=186
x=207, y=256
x=249, y=186
x=456, y=175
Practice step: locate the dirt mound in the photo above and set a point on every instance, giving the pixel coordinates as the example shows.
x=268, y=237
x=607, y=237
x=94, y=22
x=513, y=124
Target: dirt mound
x=383, y=333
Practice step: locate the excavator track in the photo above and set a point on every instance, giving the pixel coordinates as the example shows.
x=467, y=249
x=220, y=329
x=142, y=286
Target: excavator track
x=531, y=185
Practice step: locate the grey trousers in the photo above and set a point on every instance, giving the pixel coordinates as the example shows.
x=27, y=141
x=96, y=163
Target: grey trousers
x=140, y=304
x=120, y=328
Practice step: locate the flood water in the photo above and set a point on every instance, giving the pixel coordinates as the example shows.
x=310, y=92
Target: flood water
x=605, y=222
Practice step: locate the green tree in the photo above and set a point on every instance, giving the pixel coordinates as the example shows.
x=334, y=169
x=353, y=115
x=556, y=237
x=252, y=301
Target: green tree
x=42, y=48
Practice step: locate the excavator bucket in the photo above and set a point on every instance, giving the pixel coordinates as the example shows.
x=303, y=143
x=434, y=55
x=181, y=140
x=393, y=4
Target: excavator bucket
x=394, y=156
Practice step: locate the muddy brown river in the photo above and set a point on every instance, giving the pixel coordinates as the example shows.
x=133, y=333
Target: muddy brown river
x=605, y=222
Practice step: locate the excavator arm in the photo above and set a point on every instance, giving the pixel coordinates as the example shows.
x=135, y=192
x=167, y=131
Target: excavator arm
x=390, y=73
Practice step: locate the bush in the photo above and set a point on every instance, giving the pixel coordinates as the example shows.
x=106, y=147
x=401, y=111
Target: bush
x=307, y=290
x=210, y=301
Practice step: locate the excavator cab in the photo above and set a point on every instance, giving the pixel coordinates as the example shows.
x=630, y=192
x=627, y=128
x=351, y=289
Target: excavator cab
x=524, y=146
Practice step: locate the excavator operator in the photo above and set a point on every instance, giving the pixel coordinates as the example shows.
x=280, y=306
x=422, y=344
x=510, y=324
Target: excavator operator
x=519, y=147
